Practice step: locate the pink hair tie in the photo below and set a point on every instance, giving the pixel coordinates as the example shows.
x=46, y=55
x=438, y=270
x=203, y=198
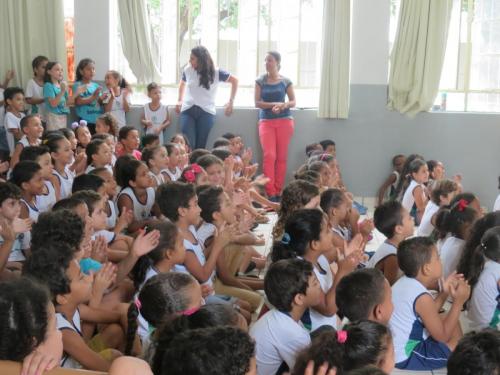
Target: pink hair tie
x=341, y=337
x=190, y=311
x=138, y=304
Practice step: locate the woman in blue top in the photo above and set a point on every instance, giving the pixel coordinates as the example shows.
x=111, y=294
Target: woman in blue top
x=197, y=90
x=275, y=122
x=88, y=103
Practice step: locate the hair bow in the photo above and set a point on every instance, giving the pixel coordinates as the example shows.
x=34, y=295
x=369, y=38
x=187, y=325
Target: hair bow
x=341, y=337
x=462, y=204
x=286, y=239
x=190, y=174
x=75, y=125
x=190, y=311
x=138, y=304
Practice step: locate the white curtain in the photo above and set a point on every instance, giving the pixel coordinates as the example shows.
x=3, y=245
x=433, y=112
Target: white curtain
x=418, y=54
x=335, y=59
x=29, y=28
x=137, y=40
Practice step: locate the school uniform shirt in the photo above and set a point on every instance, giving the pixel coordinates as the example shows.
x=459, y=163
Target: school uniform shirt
x=159, y=178
x=74, y=325
x=143, y=327
x=34, y=90
x=25, y=143
x=408, y=198
x=117, y=109
x=113, y=215
x=174, y=176
x=88, y=112
x=385, y=250
x=343, y=232
x=325, y=278
x=109, y=236
x=44, y=202
x=406, y=325
x=278, y=338
x=66, y=182
x=485, y=298
x=450, y=254
x=195, y=94
x=141, y=211
x=90, y=168
x=16, y=252
x=51, y=91
x=425, y=228
x=197, y=249
x=157, y=117
x=11, y=121
x=204, y=232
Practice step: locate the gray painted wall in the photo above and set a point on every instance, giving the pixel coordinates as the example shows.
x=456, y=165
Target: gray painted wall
x=467, y=143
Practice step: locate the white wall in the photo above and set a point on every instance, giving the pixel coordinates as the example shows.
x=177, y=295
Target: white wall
x=370, y=42
x=93, y=22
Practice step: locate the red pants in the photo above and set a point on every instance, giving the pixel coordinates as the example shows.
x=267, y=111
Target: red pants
x=275, y=137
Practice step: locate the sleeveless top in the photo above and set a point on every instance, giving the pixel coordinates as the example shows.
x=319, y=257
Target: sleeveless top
x=173, y=176
x=113, y=216
x=408, y=199
x=384, y=250
x=484, y=307
x=65, y=182
x=325, y=278
x=141, y=211
x=44, y=202
x=425, y=228
x=75, y=325
x=157, y=118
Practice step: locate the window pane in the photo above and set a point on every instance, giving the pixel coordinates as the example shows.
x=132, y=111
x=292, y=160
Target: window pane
x=451, y=59
x=248, y=39
x=209, y=19
x=484, y=102
x=228, y=35
x=168, y=42
x=310, y=43
x=449, y=101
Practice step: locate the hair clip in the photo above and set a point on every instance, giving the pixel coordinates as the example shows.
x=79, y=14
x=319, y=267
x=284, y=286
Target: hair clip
x=462, y=204
x=195, y=168
x=80, y=124
x=138, y=304
x=286, y=239
x=341, y=337
x=190, y=311
x=190, y=176
x=483, y=245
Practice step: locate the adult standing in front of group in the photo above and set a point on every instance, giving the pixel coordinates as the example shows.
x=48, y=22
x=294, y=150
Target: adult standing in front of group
x=275, y=122
x=197, y=91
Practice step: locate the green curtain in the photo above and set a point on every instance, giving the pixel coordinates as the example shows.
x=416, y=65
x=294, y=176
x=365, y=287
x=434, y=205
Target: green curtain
x=418, y=54
x=29, y=28
x=335, y=60
x=137, y=40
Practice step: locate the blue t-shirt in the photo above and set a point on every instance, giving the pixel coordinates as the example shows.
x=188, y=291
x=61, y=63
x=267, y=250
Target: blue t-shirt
x=275, y=92
x=88, y=112
x=51, y=91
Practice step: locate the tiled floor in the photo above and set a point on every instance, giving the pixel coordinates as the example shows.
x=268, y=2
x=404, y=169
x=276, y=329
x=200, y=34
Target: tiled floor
x=378, y=238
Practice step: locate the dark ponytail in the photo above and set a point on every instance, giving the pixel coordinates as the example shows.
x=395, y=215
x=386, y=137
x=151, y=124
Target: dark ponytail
x=302, y=227
x=132, y=315
x=404, y=181
x=450, y=219
x=489, y=248
x=480, y=227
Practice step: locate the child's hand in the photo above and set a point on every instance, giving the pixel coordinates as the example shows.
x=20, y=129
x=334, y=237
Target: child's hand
x=242, y=183
x=451, y=282
x=21, y=225
x=63, y=86
x=148, y=124
x=144, y=243
x=245, y=222
x=357, y=244
x=80, y=90
x=104, y=278
x=366, y=227
x=178, y=107
x=99, y=250
x=4, y=166
x=125, y=219
x=97, y=92
x=7, y=230
x=461, y=292
x=206, y=290
x=10, y=75
x=251, y=170
x=229, y=163
x=261, y=180
x=238, y=198
x=260, y=240
x=457, y=178
x=37, y=362
x=224, y=235
x=247, y=155
x=228, y=108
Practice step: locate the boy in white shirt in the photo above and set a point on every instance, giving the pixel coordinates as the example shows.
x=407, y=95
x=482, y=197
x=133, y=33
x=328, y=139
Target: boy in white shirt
x=14, y=105
x=291, y=287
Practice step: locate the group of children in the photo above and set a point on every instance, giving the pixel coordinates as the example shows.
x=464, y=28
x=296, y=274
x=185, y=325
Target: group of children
x=113, y=248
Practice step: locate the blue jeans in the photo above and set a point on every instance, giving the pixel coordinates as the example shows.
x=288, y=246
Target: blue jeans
x=196, y=125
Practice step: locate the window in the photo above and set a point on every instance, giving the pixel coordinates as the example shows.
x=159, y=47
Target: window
x=470, y=80
x=238, y=33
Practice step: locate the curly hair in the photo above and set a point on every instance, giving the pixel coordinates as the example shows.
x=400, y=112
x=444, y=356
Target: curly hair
x=207, y=351
x=295, y=195
x=58, y=226
x=23, y=318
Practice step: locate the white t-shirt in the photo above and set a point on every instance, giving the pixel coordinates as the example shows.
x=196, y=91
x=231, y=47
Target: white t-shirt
x=112, y=218
x=141, y=211
x=117, y=109
x=408, y=198
x=198, y=95
x=16, y=253
x=405, y=324
x=496, y=206
x=197, y=249
x=278, y=338
x=325, y=278
x=45, y=202
x=157, y=117
x=11, y=121
x=384, y=250
x=66, y=182
x=204, y=232
x=75, y=326
x=173, y=176
x=450, y=254
x=485, y=297
x=425, y=228
x=34, y=90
